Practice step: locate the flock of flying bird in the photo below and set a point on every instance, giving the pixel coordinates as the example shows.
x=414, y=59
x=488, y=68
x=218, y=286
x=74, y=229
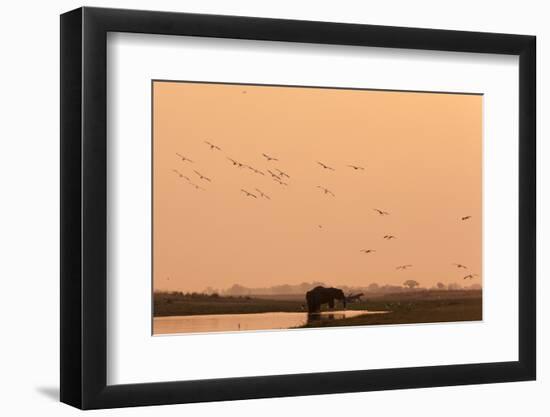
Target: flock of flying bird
x=275, y=174
x=281, y=177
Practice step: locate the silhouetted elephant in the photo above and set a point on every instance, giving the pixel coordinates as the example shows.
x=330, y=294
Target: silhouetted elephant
x=321, y=295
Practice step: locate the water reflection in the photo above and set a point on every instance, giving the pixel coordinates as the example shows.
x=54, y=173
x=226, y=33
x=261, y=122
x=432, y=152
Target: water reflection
x=318, y=318
x=241, y=322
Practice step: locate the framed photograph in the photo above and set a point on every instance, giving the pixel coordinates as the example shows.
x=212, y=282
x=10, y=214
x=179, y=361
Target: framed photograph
x=259, y=208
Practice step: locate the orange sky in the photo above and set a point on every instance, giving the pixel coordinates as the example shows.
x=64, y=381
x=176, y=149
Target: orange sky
x=422, y=155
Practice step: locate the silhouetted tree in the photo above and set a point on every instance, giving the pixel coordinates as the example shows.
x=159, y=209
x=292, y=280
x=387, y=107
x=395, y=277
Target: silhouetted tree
x=411, y=283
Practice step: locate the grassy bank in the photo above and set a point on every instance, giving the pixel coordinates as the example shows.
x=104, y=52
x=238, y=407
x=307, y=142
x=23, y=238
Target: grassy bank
x=404, y=310
x=405, y=307
x=177, y=304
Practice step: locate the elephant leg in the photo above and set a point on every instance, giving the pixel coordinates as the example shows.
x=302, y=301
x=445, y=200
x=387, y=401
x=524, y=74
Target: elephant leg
x=317, y=307
x=312, y=305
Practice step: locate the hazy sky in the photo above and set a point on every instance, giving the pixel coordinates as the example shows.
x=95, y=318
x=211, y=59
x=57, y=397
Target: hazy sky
x=422, y=155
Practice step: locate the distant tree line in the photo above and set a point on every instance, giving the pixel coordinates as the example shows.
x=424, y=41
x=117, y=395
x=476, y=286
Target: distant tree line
x=237, y=290
x=285, y=289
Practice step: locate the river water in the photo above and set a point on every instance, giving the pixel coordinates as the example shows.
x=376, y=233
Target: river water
x=241, y=322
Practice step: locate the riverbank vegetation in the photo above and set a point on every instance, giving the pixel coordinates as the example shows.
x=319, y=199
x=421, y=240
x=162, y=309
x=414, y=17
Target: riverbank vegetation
x=425, y=306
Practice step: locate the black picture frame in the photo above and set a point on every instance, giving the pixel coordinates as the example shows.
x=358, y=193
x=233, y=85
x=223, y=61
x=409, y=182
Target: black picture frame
x=84, y=207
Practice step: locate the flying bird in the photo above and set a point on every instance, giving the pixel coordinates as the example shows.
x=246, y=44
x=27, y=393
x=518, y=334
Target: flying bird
x=356, y=167
x=212, y=146
x=325, y=166
x=466, y=218
x=202, y=177
x=235, y=163
x=279, y=181
x=390, y=237
x=326, y=190
x=269, y=158
x=273, y=174
x=262, y=194
x=282, y=173
x=460, y=266
x=183, y=158
x=381, y=212
x=181, y=175
x=403, y=266
x=248, y=194
x=256, y=171
x=470, y=276
x=367, y=250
